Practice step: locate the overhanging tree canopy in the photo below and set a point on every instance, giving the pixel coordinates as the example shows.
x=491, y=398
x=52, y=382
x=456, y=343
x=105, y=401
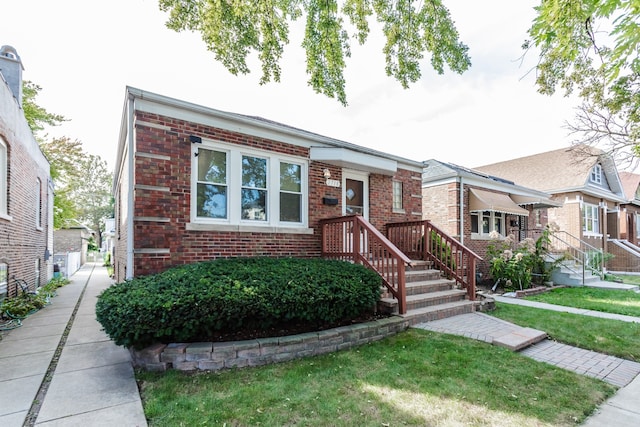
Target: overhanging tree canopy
x=234, y=29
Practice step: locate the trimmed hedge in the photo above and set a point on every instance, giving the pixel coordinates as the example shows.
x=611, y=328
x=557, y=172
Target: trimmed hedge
x=192, y=302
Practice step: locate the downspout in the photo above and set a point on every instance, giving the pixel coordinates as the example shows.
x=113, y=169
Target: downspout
x=130, y=190
x=461, y=204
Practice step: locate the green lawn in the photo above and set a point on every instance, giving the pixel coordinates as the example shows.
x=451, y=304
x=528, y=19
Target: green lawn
x=630, y=279
x=415, y=378
x=606, y=300
x=614, y=337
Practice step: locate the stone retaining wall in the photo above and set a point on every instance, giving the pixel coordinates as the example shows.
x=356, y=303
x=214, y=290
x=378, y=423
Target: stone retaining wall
x=214, y=356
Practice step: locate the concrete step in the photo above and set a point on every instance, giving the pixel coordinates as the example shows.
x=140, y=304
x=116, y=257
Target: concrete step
x=437, y=312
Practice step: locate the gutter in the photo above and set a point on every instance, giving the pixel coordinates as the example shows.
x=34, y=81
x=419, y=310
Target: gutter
x=461, y=227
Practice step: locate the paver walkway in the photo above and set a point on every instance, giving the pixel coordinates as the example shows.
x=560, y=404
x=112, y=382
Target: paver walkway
x=531, y=343
x=613, y=370
x=621, y=410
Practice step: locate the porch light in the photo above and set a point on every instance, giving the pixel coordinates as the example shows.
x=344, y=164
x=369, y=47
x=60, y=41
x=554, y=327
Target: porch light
x=327, y=173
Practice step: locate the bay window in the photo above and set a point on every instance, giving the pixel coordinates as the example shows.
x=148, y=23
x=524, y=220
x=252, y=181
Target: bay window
x=236, y=186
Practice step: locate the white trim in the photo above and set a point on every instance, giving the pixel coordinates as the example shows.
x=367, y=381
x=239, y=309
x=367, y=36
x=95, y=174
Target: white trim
x=233, y=218
x=152, y=188
x=4, y=188
x=152, y=251
x=354, y=160
x=151, y=219
x=130, y=156
x=193, y=226
x=359, y=176
x=152, y=156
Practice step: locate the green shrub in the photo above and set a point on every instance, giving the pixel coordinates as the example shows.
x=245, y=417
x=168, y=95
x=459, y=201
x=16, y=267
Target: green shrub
x=192, y=302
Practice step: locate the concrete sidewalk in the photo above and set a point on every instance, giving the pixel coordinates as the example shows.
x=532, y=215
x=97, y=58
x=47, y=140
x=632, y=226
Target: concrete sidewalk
x=60, y=369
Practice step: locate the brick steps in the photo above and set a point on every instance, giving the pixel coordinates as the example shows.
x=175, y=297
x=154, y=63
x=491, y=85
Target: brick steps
x=429, y=296
x=437, y=312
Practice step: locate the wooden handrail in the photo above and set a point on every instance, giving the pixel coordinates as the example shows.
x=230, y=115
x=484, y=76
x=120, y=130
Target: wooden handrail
x=353, y=238
x=423, y=240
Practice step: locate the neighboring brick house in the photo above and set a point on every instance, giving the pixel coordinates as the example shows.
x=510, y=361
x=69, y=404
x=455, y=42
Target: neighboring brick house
x=469, y=205
x=26, y=190
x=583, y=179
x=193, y=183
x=630, y=210
x=625, y=249
x=73, y=239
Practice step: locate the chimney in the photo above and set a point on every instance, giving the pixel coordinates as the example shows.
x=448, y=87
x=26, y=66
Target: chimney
x=11, y=68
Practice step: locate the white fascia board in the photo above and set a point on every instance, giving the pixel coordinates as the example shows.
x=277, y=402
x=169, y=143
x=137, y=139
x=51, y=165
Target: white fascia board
x=354, y=160
x=159, y=104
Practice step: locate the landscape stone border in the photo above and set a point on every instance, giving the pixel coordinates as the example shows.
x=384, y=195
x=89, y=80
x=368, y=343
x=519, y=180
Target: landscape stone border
x=215, y=356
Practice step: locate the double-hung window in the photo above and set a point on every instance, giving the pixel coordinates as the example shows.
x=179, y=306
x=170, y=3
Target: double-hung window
x=596, y=174
x=38, y=204
x=590, y=219
x=3, y=177
x=236, y=186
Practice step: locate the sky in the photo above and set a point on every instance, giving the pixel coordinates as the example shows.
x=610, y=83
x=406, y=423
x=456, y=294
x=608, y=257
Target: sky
x=83, y=54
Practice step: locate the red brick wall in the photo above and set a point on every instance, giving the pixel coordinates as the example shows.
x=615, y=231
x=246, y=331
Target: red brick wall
x=441, y=206
x=162, y=201
x=21, y=242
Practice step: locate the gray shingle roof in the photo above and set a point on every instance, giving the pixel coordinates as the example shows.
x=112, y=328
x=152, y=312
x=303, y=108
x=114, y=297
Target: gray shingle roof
x=557, y=171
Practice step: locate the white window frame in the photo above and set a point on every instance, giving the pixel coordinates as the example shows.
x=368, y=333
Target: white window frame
x=4, y=189
x=596, y=174
x=234, y=219
x=637, y=217
x=398, y=190
x=491, y=217
x=593, y=219
x=38, y=204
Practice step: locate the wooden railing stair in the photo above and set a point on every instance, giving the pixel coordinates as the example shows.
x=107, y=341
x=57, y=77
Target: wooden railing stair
x=430, y=296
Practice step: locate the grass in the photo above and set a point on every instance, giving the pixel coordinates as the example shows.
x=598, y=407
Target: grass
x=606, y=300
x=414, y=378
x=621, y=339
x=629, y=279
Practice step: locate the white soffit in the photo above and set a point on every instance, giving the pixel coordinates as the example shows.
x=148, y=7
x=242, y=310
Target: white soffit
x=354, y=160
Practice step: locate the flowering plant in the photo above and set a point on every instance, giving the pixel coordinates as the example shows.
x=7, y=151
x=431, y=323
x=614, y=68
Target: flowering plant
x=511, y=263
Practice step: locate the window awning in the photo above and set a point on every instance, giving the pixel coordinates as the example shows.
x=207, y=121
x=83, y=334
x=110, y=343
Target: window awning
x=536, y=202
x=480, y=200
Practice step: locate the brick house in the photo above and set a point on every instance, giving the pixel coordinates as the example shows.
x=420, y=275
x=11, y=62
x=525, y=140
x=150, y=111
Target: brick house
x=584, y=180
x=630, y=210
x=26, y=189
x=193, y=183
x=626, y=249
x=469, y=205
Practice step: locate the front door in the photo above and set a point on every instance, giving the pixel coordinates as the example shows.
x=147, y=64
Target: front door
x=355, y=193
x=355, y=200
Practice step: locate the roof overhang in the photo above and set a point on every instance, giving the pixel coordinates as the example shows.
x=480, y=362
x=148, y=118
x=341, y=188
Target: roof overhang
x=535, y=202
x=480, y=200
x=354, y=160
